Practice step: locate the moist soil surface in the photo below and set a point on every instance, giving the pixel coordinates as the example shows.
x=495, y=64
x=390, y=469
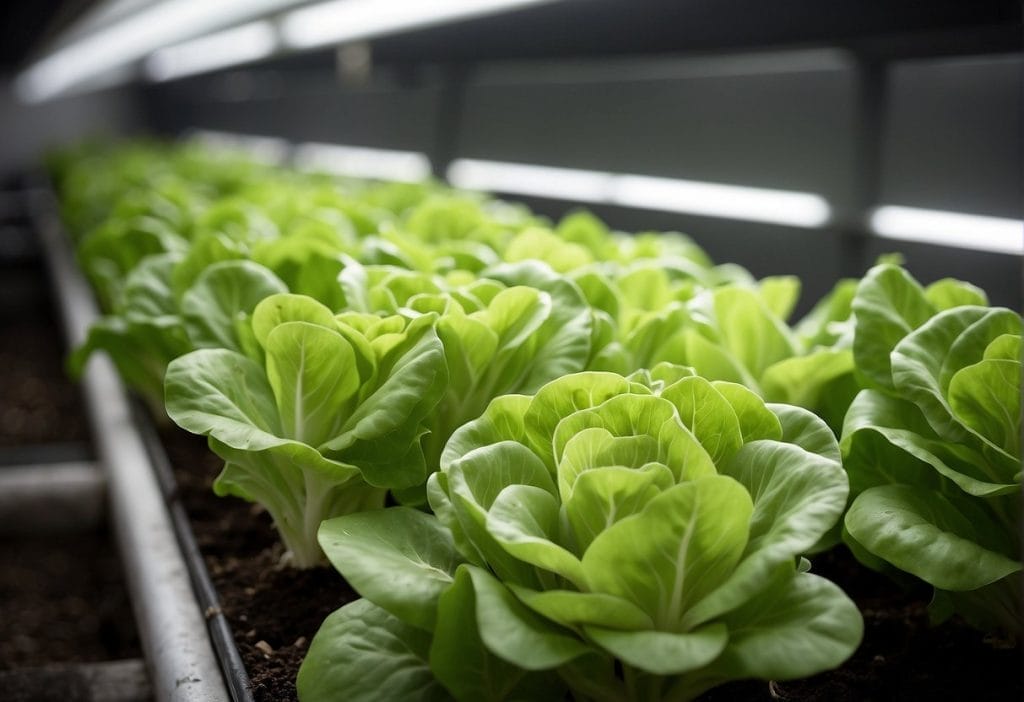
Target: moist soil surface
x=62, y=595
x=902, y=657
x=274, y=613
x=62, y=600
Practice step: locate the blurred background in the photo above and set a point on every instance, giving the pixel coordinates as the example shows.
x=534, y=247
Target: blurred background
x=799, y=136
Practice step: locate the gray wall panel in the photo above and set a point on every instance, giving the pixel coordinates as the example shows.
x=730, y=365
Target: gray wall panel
x=310, y=108
x=953, y=137
x=782, y=120
x=28, y=131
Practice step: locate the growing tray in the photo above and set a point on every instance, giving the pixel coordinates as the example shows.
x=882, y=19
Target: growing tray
x=53, y=521
x=174, y=605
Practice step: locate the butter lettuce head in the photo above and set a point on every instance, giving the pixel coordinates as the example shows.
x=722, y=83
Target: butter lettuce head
x=151, y=325
x=318, y=416
x=737, y=332
x=510, y=332
x=612, y=531
x=933, y=446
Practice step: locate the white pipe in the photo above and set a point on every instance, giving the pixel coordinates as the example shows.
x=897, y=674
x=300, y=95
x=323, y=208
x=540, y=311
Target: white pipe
x=174, y=637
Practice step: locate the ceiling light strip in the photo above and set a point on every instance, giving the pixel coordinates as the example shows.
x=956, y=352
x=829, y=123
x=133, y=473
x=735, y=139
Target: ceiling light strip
x=362, y=162
x=798, y=209
x=72, y=67
x=109, y=52
x=958, y=229
x=339, y=21
x=266, y=149
x=243, y=44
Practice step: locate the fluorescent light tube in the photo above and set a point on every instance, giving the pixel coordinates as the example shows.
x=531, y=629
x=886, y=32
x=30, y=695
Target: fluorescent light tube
x=527, y=179
x=249, y=42
x=967, y=231
x=798, y=209
x=272, y=150
x=363, y=162
x=339, y=21
x=121, y=43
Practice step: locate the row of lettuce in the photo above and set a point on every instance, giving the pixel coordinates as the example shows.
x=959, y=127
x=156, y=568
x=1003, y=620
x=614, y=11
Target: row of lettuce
x=612, y=458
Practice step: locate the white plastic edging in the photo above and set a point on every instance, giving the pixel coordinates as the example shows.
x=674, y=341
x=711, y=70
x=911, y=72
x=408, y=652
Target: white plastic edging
x=180, y=658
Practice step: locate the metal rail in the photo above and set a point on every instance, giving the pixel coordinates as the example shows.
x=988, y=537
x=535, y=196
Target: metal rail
x=181, y=662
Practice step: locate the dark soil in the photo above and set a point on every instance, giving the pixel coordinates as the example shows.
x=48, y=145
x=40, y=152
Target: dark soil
x=62, y=600
x=112, y=681
x=902, y=656
x=274, y=612
x=38, y=403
